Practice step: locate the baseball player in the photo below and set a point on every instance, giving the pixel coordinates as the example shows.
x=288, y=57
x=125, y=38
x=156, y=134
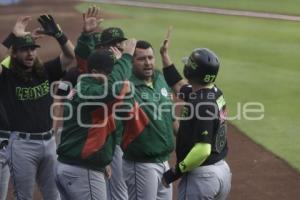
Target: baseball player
x=88, y=138
x=89, y=40
x=116, y=188
x=25, y=90
x=148, y=135
x=4, y=136
x=4, y=168
x=202, y=140
x=91, y=19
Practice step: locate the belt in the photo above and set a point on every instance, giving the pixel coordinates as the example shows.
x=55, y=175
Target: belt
x=3, y=144
x=41, y=136
x=4, y=134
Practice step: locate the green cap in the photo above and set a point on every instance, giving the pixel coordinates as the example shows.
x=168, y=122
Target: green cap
x=112, y=35
x=26, y=41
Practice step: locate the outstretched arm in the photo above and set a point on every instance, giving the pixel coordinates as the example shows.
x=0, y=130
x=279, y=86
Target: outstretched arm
x=171, y=74
x=85, y=43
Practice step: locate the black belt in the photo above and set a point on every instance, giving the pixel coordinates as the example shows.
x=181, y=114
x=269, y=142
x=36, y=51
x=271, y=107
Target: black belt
x=4, y=134
x=44, y=136
x=3, y=144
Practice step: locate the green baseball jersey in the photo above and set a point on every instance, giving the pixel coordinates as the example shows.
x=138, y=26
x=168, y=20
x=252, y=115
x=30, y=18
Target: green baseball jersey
x=88, y=138
x=85, y=46
x=148, y=135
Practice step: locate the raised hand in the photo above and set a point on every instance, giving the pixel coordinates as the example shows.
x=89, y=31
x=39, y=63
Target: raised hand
x=129, y=46
x=91, y=19
x=49, y=26
x=166, y=43
x=116, y=51
x=165, y=47
x=20, y=26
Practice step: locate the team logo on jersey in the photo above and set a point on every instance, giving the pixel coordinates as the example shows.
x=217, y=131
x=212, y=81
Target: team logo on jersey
x=33, y=93
x=164, y=92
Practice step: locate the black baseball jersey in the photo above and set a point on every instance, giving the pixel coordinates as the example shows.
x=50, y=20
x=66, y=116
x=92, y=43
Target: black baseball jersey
x=203, y=121
x=3, y=118
x=27, y=104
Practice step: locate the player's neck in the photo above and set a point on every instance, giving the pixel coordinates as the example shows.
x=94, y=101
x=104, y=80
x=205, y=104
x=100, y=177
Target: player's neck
x=197, y=86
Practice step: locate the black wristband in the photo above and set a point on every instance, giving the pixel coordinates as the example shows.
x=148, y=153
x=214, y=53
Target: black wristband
x=62, y=39
x=8, y=42
x=171, y=75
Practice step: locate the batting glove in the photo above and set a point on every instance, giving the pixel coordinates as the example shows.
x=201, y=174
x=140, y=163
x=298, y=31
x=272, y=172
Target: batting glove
x=172, y=175
x=51, y=28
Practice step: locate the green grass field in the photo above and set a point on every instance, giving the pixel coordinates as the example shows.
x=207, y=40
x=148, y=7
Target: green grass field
x=260, y=63
x=276, y=6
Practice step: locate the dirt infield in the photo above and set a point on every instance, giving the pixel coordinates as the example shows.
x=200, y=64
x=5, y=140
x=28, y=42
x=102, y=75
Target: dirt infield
x=257, y=173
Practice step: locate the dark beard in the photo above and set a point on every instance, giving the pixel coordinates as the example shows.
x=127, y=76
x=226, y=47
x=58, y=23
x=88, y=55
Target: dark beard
x=19, y=70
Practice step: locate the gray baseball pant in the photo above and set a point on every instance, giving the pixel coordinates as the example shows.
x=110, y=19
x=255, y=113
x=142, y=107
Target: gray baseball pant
x=78, y=183
x=30, y=161
x=116, y=187
x=143, y=180
x=207, y=182
x=4, y=173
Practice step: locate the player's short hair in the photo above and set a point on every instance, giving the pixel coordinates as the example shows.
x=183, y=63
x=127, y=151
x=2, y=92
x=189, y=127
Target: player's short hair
x=142, y=44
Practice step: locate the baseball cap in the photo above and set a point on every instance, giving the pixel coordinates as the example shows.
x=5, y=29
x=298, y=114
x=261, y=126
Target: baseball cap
x=102, y=60
x=26, y=41
x=111, y=35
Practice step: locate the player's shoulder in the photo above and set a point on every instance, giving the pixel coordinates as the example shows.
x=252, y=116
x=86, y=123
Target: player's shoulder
x=158, y=76
x=72, y=75
x=207, y=94
x=217, y=91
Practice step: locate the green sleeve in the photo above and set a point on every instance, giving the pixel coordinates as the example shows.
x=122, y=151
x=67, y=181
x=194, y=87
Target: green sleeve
x=198, y=154
x=85, y=45
x=121, y=72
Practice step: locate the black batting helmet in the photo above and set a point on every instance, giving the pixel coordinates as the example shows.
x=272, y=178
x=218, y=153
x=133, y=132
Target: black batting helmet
x=202, y=65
